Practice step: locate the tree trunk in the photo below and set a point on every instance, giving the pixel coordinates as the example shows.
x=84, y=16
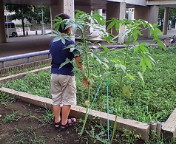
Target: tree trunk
x=22, y=20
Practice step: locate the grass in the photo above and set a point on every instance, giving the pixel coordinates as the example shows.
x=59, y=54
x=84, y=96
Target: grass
x=5, y=98
x=11, y=117
x=26, y=136
x=153, y=101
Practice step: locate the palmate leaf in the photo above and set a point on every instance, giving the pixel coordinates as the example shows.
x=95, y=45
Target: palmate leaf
x=161, y=44
x=66, y=62
x=112, y=23
x=150, y=57
x=71, y=47
x=105, y=49
x=99, y=60
x=130, y=76
x=122, y=67
x=57, y=38
x=126, y=90
x=98, y=18
x=143, y=65
x=148, y=62
x=142, y=47
x=141, y=77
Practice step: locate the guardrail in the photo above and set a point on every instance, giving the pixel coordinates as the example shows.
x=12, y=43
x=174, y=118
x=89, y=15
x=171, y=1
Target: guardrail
x=22, y=56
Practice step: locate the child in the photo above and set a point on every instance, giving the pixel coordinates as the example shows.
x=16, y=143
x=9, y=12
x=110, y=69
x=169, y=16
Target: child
x=63, y=86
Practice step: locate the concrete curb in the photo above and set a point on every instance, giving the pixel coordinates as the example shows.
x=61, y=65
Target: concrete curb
x=139, y=128
x=169, y=127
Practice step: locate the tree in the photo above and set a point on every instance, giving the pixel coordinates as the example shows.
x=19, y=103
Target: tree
x=21, y=12
x=38, y=11
x=172, y=15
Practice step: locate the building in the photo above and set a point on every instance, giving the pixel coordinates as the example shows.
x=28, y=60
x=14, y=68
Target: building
x=138, y=9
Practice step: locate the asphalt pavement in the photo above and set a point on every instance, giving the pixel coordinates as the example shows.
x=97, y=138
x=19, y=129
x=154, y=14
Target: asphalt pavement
x=21, y=45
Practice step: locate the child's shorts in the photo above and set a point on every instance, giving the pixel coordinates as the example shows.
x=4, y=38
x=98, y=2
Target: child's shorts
x=63, y=89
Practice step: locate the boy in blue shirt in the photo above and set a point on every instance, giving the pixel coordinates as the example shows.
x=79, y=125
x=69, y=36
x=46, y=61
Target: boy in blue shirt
x=63, y=85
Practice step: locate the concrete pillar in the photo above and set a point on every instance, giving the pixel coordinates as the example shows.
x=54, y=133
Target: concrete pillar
x=122, y=13
x=116, y=10
x=166, y=19
x=131, y=13
x=148, y=13
x=153, y=14
x=2, y=25
x=86, y=9
x=64, y=6
x=100, y=11
x=142, y=13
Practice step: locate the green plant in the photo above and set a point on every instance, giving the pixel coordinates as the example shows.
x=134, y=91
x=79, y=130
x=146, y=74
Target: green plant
x=26, y=136
x=11, y=117
x=121, y=62
x=5, y=98
x=129, y=137
x=47, y=117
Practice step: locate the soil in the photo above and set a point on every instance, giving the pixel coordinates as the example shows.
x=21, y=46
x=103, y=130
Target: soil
x=23, y=123
x=30, y=128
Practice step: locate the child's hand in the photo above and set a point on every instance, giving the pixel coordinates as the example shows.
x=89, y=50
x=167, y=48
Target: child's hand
x=81, y=67
x=85, y=83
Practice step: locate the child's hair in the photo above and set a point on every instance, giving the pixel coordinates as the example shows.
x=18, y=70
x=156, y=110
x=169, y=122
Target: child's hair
x=63, y=16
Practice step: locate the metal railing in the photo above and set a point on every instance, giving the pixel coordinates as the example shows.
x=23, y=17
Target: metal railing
x=22, y=56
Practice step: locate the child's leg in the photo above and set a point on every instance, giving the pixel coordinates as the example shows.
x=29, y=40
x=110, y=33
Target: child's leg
x=65, y=113
x=56, y=111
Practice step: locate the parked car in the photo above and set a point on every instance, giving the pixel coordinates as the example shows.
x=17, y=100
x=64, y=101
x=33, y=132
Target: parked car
x=10, y=29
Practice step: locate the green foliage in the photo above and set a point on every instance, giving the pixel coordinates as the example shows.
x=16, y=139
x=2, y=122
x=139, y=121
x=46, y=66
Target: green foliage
x=26, y=136
x=10, y=117
x=21, y=11
x=5, y=98
x=37, y=14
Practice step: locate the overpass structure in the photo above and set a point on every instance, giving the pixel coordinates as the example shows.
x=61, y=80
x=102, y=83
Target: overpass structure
x=143, y=9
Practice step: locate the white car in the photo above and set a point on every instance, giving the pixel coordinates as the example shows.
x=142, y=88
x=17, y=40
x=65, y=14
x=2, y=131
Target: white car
x=10, y=29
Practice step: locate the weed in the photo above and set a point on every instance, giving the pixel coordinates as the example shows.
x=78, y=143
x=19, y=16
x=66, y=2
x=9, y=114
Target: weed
x=6, y=98
x=11, y=117
x=25, y=136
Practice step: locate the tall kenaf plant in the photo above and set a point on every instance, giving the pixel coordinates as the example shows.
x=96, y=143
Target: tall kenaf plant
x=132, y=30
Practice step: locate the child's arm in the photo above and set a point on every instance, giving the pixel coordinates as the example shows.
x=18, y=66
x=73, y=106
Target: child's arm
x=85, y=82
x=78, y=62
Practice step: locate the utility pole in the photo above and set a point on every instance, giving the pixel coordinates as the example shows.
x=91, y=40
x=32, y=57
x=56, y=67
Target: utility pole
x=7, y=25
x=43, y=25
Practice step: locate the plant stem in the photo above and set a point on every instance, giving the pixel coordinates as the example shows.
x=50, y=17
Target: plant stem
x=114, y=129
x=86, y=49
x=85, y=120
